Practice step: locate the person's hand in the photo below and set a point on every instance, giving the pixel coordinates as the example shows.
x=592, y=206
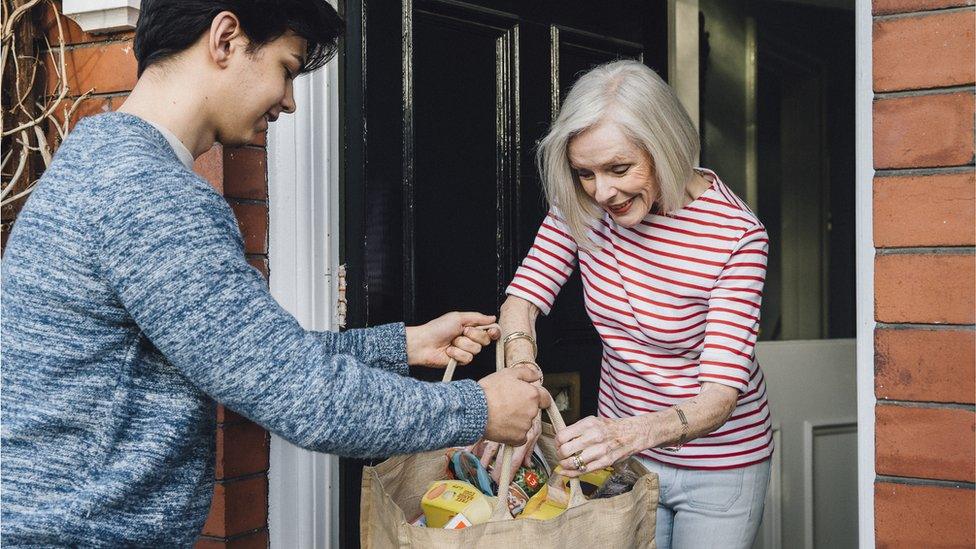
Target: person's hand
x=487, y=450
x=513, y=404
x=455, y=335
x=598, y=442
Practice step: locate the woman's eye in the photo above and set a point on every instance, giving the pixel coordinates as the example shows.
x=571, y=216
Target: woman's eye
x=584, y=174
x=620, y=169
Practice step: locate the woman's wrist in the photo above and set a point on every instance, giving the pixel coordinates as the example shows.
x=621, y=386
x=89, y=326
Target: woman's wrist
x=647, y=428
x=635, y=433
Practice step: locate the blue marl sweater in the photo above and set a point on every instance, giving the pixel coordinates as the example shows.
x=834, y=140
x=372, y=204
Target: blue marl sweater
x=127, y=307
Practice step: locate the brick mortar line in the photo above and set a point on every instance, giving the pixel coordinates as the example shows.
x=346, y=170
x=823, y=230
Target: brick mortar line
x=242, y=478
x=922, y=92
x=250, y=201
x=914, y=481
x=249, y=476
x=927, y=405
x=247, y=146
x=94, y=95
x=86, y=45
x=910, y=172
x=911, y=14
x=922, y=326
x=927, y=250
x=235, y=537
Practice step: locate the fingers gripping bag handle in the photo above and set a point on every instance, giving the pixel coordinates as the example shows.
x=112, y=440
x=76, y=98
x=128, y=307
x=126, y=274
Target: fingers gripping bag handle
x=501, y=509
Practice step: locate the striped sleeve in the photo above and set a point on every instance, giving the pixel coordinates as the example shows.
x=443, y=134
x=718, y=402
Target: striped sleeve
x=732, y=323
x=547, y=266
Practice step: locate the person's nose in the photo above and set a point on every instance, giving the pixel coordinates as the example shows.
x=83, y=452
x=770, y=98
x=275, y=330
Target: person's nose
x=605, y=190
x=288, y=102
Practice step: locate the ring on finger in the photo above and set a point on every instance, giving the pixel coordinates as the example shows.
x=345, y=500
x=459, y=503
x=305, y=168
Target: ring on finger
x=578, y=463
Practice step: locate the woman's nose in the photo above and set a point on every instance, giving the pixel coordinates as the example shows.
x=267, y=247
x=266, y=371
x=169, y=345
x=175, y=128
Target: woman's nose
x=605, y=191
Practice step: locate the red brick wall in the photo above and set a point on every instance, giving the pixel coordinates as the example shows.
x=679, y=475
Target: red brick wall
x=925, y=273
x=105, y=64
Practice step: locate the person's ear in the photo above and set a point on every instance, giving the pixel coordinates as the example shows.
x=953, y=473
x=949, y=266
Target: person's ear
x=224, y=30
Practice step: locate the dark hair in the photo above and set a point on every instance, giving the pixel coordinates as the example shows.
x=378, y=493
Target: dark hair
x=167, y=27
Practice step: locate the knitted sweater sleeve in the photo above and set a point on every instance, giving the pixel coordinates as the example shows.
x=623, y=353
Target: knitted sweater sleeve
x=171, y=249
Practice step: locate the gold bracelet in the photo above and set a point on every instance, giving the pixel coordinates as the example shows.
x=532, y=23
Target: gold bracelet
x=533, y=364
x=521, y=335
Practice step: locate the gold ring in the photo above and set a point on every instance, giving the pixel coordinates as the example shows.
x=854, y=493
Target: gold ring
x=578, y=462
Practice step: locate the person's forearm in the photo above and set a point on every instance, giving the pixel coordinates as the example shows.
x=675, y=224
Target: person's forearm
x=383, y=346
x=705, y=413
x=518, y=315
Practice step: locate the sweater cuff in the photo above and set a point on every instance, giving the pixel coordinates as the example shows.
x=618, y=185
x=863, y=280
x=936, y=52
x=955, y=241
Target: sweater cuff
x=474, y=419
x=390, y=352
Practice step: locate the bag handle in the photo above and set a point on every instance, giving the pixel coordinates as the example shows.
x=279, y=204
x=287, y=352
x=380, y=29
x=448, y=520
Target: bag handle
x=501, y=509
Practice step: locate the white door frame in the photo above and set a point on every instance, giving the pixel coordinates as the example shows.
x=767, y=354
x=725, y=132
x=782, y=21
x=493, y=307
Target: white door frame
x=864, y=267
x=683, y=76
x=303, y=183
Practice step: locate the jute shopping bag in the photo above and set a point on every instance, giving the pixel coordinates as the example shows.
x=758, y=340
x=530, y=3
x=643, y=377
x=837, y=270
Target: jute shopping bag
x=392, y=490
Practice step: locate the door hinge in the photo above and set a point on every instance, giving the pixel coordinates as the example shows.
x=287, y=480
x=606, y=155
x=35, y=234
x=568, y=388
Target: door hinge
x=341, y=301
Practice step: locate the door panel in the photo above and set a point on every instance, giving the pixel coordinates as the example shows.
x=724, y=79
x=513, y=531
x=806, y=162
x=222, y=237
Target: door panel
x=812, y=497
x=462, y=156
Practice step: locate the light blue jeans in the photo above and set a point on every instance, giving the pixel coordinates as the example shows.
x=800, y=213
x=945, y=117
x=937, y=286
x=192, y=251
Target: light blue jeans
x=709, y=508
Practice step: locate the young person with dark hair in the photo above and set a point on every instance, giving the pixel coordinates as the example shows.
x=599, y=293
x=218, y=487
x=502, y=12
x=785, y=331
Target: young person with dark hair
x=129, y=309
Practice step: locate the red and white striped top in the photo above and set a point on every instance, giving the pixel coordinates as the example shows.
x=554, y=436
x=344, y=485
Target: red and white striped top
x=676, y=303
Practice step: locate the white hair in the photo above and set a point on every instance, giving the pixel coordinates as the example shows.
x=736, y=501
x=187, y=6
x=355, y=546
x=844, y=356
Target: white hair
x=646, y=109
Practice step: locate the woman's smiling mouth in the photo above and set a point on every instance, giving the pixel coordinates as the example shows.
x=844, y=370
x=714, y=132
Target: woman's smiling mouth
x=621, y=209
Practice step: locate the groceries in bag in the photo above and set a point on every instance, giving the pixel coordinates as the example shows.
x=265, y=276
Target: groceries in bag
x=454, y=504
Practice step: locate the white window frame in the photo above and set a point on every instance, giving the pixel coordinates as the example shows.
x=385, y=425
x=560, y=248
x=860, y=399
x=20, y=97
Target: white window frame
x=101, y=16
x=303, y=183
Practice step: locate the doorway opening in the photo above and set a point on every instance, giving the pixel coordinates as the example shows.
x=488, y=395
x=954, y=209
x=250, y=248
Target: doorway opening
x=776, y=100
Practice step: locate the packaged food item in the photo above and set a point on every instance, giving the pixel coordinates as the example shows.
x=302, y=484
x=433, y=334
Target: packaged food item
x=466, y=466
x=553, y=499
x=459, y=521
x=540, y=507
x=527, y=482
x=445, y=499
x=420, y=521
x=621, y=481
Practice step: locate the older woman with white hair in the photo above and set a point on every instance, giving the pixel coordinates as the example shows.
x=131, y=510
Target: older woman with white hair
x=673, y=264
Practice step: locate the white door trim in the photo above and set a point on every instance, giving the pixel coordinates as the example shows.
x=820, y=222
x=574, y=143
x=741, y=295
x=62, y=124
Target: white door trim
x=864, y=266
x=303, y=183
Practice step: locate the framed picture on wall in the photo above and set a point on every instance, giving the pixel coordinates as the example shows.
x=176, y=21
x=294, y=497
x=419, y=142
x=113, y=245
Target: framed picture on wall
x=565, y=390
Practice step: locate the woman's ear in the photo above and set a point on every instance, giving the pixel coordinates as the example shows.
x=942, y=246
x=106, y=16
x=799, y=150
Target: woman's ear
x=224, y=29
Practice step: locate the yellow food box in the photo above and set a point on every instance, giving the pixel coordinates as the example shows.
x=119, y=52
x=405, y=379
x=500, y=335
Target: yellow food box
x=446, y=498
x=541, y=508
x=552, y=499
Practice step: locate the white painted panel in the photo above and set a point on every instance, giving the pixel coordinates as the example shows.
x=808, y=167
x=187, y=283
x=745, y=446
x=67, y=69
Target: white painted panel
x=811, y=392
x=303, y=253
x=864, y=265
x=834, y=485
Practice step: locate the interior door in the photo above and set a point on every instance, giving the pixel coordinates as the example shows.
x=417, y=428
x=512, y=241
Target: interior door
x=812, y=496
x=443, y=104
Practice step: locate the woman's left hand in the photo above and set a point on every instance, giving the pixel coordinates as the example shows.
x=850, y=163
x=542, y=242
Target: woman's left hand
x=597, y=442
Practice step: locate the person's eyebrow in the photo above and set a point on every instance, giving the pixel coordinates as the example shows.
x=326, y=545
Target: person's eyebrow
x=617, y=159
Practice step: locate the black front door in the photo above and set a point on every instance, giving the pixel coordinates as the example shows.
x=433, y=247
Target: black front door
x=443, y=103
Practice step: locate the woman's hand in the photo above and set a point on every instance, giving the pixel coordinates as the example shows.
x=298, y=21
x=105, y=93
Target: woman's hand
x=455, y=335
x=488, y=451
x=599, y=442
